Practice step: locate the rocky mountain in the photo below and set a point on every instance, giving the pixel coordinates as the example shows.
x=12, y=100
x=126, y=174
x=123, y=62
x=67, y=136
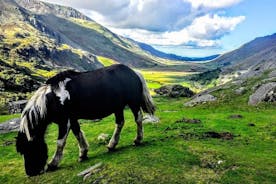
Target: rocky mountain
x=68, y=26
x=30, y=51
x=251, y=59
x=39, y=39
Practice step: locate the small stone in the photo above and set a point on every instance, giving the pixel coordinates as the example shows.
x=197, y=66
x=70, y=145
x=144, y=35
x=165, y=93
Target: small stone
x=103, y=138
x=150, y=119
x=220, y=162
x=240, y=91
x=235, y=116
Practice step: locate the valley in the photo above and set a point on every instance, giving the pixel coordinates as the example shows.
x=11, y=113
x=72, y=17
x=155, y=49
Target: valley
x=228, y=139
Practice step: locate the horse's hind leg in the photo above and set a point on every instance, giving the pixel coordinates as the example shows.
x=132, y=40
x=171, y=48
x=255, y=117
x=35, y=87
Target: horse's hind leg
x=139, y=122
x=83, y=145
x=120, y=121
x=63, y=130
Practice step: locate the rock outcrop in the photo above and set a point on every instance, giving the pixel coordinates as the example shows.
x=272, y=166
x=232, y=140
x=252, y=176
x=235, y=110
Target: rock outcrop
x=266, y=92
x=201, y=99
x=174, y=91
x=10, y=126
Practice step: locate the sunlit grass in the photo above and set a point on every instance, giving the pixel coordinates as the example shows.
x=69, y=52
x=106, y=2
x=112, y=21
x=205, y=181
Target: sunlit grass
x=106, y=61
x=4, y=118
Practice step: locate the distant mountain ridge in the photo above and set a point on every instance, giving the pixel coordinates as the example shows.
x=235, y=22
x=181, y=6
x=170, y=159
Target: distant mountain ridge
x=164, y=55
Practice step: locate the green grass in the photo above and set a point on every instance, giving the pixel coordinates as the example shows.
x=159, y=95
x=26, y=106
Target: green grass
x=4, y=118
x=172, y=152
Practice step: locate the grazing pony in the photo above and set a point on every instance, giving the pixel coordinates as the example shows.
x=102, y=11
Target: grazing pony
x=70, y=96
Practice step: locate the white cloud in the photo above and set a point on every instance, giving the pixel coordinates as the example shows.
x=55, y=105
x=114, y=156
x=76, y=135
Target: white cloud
x=212, y=3
x=204, y=31
x=213, y=27
x=194, y=23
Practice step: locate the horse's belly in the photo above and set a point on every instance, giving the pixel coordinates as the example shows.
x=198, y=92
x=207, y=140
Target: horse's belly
x=93, y=109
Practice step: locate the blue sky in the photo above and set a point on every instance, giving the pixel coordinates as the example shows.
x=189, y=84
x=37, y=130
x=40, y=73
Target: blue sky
x=192, y=28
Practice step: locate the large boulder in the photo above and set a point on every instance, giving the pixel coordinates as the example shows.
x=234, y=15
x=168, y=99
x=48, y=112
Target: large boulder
x=10, y=126
x=174, y=91
x=201, y=99
x=266, y=92
x=17, y=106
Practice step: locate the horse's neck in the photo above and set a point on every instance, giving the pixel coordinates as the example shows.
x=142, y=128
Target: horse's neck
x=40, y=131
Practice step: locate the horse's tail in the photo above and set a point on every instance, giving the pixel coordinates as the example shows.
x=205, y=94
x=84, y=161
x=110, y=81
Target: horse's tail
x=147, y=103
x=34, y=111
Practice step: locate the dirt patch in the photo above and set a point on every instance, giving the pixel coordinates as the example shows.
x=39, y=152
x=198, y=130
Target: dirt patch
x=191, y=121
x=7, y=143
x=251, y=124
x=235, y=116
x=219, y=135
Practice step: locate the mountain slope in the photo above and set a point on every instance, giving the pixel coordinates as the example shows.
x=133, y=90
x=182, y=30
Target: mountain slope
x=251, y=59
x=41, y=39
x=68, y=26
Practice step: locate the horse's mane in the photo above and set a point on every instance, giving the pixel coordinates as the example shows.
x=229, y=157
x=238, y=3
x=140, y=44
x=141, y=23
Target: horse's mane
x=54, y=81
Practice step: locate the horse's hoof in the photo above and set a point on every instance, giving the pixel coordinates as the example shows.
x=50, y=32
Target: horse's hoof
x=51, y=168
x=83, y=158
x=111, y=149
x=137, y=143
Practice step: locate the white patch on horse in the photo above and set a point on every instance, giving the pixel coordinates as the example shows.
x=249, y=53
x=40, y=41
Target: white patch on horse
x=61, y=91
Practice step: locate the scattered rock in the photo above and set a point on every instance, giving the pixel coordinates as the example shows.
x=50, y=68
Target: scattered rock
x=222, y=135
x=201, y=99
x=192, y=121
x=10, y=126
x=150, y=119
x=174, y=91
x=103, y=138
x=266, y=92
x=235, y=116
x=240, y=91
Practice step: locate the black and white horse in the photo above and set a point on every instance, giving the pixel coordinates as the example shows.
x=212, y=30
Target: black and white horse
x=70, y=96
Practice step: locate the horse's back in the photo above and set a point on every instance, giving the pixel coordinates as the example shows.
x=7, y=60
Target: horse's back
x=104, y=91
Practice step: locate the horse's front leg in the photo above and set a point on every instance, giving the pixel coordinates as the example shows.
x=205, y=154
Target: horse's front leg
x=83, y=145
x=120, y=121
x=63, y=130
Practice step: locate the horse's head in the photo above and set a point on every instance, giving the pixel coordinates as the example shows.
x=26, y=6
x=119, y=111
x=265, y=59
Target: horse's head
x=34, y=153
x=30, y=140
